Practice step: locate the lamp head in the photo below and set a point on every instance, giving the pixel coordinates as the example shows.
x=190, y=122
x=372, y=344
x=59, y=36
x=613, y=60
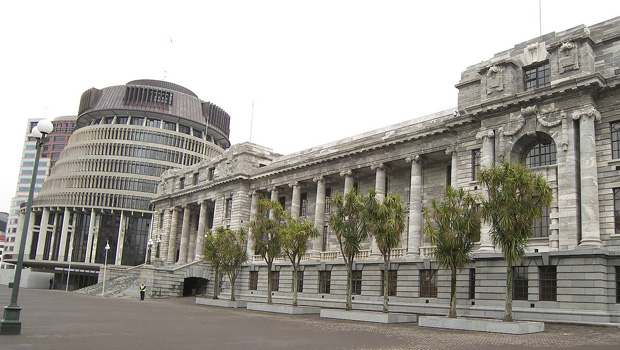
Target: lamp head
x=45, y=126
x=150, y=243
x=36, y=133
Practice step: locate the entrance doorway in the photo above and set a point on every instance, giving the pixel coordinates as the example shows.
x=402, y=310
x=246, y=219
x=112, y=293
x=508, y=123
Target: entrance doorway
x=193, y=286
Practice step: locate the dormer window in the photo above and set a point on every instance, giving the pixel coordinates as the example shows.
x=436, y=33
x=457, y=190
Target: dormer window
x=181, y=183
x=537, y=76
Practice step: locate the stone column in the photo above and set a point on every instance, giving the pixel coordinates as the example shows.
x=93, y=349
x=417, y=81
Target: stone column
x=191, y=248
x=121, y=240
x=274, y=197
x=453, y=167
x=414, y=233
x=89, y=241
x=380, y=196
x=296, y=200
x=590, y=228
x=250, y=246
x=187, y=212
x=63, y=235
x=348, y=181
x=165, y=236
x=319, y=214
x=95, y=237
x=42, y=233
x=172, y=239
x=200, y=235
x=486, y=162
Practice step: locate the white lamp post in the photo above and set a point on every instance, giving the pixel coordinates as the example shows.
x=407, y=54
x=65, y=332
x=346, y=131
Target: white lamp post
x=105, y=265
x=148, y=254
x=69, y=271
x=11, y=325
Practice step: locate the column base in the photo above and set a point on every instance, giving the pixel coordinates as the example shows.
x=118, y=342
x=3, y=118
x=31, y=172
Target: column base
x=486, y=248
x=11, y=325
x=590, y=243
x=414, y=255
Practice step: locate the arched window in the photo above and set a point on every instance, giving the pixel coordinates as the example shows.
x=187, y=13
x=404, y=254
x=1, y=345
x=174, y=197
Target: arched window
x=540, y=153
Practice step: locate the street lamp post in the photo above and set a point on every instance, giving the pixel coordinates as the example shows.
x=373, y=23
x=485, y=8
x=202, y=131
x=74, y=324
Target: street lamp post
x=148, y=254
x=69, y=270
x=105, y=265
x=11, y=325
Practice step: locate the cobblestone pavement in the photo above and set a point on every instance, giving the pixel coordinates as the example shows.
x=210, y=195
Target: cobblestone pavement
x=58, y=320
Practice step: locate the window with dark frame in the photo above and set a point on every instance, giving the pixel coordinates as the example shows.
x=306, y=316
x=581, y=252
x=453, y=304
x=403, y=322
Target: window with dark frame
x=181, y=183
x=303, y=208
x=325, y=282
x=541, y=153
x=392, y=282
x=617, y=284
x=475, y=164
x=228, y=207
x=211, y=174
x=519, y=283
x=448, y=175
x=617, y=211
x=275, y=281
x=328, y=198
x=615, y=140
x=195, y=178
x=472, y=283
x=324, y=243
x=537, y=76
x=540, y=228
x=300, y=281
x=356, y=282
x=428, y=283
x=282, y=201
x=548, y=283
x=253, y=285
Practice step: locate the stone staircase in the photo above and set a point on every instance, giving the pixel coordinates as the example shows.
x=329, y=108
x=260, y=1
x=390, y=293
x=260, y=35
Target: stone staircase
x=125, y=286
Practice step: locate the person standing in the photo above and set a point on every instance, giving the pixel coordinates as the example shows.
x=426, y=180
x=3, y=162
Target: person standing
x=142, y=290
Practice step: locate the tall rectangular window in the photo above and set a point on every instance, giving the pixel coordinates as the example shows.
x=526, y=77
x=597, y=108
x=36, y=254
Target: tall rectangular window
x=548, y=283
x=228, y=212
x=540, y=228
x=324, y=245
x=615, y=140
x=181, y=183
x=617, y=211
x=211, y=174
x=282, y=201
x=195, y=178
x=537, y=77
x=392, y=282
x=275, y=281
x=475, y=163
x=325, y=281
x=253, y=285
x=300, y=281
x=519, y=283
x=472, y=283
x=303, y=209
x=356, y=282
x=428, y=283
x=328, y=199
x=617, y=284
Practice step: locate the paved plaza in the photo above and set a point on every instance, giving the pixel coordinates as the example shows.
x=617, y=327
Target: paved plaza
x=59, y=320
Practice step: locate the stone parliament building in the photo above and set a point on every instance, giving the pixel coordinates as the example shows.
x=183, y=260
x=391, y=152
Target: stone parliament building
x=551, y=103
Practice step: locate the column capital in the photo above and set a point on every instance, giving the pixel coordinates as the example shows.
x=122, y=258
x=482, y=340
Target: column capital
x=252, y=193
x=379, y=166
x=485, y=134
x=294, y=184
x=319, y=178
x=414, y=158
x=272, y=188
x=587, y=112
x=346, y=173
x=451, y=150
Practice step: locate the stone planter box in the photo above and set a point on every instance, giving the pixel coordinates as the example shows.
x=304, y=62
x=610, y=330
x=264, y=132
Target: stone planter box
x=283, y=309
x=369, y=316
x=481, y=325
x=221, y=303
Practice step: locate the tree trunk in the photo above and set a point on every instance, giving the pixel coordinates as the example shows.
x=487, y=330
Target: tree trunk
x=232, y=291
x=508, y=309
x=216, y=283
x=452, y=312
x=295, y=277
x=386, y=266
x=349, y=304
x=269, y=282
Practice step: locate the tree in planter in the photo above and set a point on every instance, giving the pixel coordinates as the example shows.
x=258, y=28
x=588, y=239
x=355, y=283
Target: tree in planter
x=267, y=231
x=295, y=244
x=453, y=227
x=385, y=222
x=234, y=256
x=214, y=252
x=347, y=222
x=515, y=199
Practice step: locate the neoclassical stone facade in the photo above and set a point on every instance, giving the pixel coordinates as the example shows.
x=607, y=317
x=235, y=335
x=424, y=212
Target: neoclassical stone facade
x=551, y=103
x=100, y=190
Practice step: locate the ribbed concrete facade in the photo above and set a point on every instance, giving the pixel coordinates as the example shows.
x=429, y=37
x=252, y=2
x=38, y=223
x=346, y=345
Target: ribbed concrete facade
x=551, y=103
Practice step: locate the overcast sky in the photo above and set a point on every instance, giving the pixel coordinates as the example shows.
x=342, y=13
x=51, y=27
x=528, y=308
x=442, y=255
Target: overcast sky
x=317, y=71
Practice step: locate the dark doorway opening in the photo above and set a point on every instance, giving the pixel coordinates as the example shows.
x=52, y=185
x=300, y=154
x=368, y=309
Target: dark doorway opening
x=193, y=286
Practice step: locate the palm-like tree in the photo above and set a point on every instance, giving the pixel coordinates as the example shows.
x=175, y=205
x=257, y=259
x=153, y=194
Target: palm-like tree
x=234, y=256
x=295, y=244
x=347, y=222
x=267, y=231
x=515, y=199
x=453, y=227
x=385, y=221
x=214, y=252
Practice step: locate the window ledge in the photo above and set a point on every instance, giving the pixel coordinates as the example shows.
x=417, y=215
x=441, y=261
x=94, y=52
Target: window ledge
x=613, y=162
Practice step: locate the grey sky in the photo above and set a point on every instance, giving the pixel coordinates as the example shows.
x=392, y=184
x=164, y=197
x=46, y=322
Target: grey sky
x=317, y=71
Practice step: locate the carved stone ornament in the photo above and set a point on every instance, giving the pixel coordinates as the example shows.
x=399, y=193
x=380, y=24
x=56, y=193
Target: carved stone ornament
x=414, y=158
x=548, y=124
x=568, y=57
x=495, y=79
x=486, y=133
x=346, y=173
x=534, y=53
x=587, y=112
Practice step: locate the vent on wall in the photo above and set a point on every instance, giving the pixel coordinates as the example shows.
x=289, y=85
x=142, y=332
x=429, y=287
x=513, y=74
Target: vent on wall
x=145, y=96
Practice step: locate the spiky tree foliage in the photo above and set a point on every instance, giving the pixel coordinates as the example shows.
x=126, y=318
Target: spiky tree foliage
x=267, y=231
x=347, y=222
x=214, y=252
x=515, y=199
x=295, y=244
x=385, y=221
x=453, y=227
x=234, y=256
